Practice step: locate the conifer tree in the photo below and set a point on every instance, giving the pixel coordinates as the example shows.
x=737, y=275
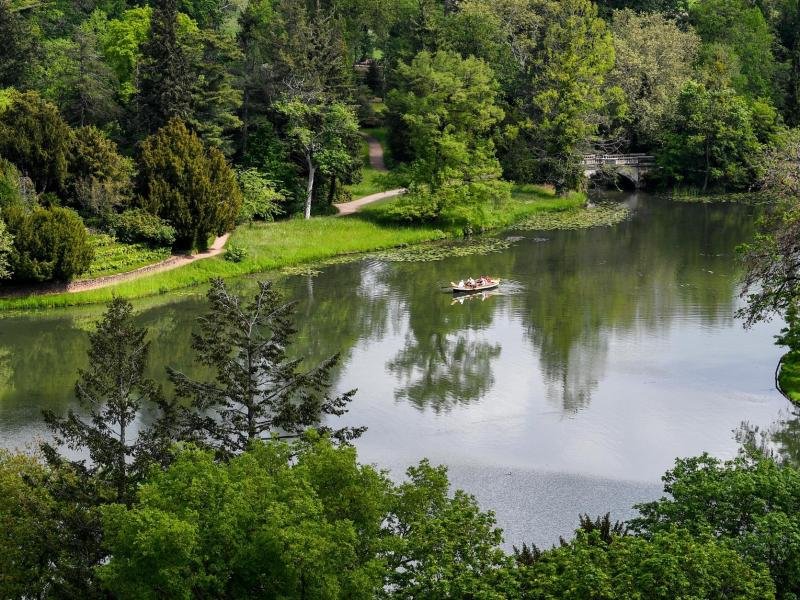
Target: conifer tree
x=17, y=49
x=187, y=184
x=258, y=390
x=111, y=393
x=165, y=78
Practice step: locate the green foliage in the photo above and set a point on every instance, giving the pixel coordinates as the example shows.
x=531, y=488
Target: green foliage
x=112, y=257
x=235, y=253
x=100, y=177
x=111, y=393
x=750, y=503
x=215, y=99
x=121, y=42
x=448, y=107
x=136, y=225
x=320, y=526
x=49, y=244
x=190, y=186
x=18, y=48
x=740, y=26
x=36, y=139
x=10, y=192
x=567, y=52
x=164, y=77
x=789, y=375
x=271, y=394
x=324, y=137
x=670, y=565
x=654, y=57
x=6, y=247
x=712, y=141
x=260, y=199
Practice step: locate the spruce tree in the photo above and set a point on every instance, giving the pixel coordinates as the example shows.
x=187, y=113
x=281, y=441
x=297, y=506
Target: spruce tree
x=165, y=81
x=17, y=49
x=258, y=391
x=111, y=393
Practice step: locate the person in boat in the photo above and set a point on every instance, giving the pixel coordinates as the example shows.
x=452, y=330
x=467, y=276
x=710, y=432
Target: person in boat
x=471, y=282
x=461, y=283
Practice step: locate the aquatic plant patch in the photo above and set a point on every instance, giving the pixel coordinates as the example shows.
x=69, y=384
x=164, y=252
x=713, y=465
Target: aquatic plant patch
x=600, y=215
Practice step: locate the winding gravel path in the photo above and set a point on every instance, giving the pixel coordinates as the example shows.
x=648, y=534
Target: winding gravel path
x=377, y=163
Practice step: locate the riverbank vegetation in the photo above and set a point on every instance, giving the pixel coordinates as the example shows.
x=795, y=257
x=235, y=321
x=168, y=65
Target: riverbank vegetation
x=210, y=116
x=296, y=242
x=231, y=511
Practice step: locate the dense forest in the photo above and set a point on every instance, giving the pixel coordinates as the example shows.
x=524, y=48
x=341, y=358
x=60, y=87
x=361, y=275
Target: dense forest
x=166, y=123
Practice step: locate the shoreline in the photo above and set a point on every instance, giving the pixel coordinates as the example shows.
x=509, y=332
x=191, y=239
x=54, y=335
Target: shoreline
x=280, y=245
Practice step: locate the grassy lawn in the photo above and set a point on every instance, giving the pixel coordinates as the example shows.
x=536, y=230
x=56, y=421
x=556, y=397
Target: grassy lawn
x=293, y=242
x=111, y=256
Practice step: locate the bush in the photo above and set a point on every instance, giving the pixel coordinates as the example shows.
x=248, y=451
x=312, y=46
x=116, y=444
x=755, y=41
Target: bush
x=49, y=244
x=235, y=253
x=137, y=225
x=260, y=199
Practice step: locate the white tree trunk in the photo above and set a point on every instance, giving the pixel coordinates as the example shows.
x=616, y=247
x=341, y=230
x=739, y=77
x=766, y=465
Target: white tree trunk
x=310, y=187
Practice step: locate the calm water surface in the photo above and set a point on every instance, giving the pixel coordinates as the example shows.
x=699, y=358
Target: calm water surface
x=606, y=354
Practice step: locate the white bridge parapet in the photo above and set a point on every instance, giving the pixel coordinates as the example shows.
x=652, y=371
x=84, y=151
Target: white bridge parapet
x=596, y=160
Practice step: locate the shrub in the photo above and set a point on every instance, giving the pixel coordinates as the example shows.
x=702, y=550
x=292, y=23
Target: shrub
x=260, y=199
x=187, y=184
x=235, y=253
x=137, y=225
x=49, y=244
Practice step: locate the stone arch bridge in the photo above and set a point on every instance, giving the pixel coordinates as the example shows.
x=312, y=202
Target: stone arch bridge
x=633, y=167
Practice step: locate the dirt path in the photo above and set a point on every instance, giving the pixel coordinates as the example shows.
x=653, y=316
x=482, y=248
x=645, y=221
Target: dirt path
x=377, y=163
x=173, y=262
x=376, y=154
x=348, y=208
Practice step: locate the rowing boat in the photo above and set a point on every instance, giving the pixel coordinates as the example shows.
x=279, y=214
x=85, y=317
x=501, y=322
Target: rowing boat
x=467, y=289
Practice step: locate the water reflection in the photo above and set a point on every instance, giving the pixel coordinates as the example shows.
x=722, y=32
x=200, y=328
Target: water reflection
x=593, y=327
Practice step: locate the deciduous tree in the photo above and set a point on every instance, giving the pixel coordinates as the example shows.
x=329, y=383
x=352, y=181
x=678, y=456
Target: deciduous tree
x=654, y=58
x=447, y=107
x=321, y=135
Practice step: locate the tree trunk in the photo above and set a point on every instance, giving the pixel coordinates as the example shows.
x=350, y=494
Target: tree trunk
x=310, y=188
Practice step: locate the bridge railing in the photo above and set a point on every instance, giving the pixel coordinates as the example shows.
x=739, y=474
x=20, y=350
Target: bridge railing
x=635, y=159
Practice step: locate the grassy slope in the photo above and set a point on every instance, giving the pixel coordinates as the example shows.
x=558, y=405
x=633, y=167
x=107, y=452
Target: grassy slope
x=111, y=256
x=294, y=242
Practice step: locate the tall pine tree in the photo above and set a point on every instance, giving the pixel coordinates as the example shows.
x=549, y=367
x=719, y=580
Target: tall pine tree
x=165, y=82
x=112, y=393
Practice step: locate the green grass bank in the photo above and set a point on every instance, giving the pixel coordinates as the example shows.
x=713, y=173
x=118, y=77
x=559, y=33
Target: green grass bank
x=294, y=242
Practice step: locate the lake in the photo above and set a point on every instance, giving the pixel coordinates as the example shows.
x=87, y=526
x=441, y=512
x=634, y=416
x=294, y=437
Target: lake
x=605, y=354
